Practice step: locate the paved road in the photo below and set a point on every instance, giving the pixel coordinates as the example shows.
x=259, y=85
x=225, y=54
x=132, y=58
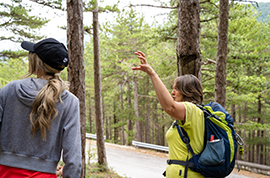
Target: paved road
x=138, y=163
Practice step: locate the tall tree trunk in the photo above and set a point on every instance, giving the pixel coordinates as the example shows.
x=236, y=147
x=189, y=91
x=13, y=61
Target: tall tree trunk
x=155, y=119
x=239, y=157
x=158, y=130
x=76, y=72
x=107, y=128
x=252, y=152
x=147, y=122
x=110, y=128
x=142, y=127
x=188, y=41
x=122, y=108
x=245, y=136
x=148, y=108
x=233, y=113
x=129, y=121
x=153, y=125
x=90, y=116
x=136, y=108
x=220, y=78
x=115, y=121
x=259, y=149
x=163, y=135
x=102, y=159
x=263, y=149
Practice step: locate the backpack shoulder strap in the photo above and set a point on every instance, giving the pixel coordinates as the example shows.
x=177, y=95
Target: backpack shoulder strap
x=184, y=136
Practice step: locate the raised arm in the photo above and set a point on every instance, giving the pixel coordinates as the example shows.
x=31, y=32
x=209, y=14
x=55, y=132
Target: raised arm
x=175, y=109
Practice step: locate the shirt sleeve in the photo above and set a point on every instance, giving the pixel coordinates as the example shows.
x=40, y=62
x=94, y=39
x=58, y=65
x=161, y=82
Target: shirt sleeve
x=193, y=114
x=72, y=142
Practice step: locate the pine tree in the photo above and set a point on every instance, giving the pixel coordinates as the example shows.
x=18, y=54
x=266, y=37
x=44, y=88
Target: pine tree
x=18, y=25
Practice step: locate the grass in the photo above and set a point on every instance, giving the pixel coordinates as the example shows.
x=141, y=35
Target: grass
x=96, y=170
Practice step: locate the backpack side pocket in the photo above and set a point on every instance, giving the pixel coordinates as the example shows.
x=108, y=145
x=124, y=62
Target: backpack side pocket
x=213, y=154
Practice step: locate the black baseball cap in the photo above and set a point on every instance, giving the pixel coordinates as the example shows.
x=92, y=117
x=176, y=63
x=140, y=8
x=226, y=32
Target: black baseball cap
x=50, y=51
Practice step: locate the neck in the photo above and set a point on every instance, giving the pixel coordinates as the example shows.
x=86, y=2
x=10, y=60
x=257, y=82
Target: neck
x=44, y=76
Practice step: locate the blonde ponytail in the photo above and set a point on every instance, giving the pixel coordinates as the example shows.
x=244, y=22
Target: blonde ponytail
x=43, y=108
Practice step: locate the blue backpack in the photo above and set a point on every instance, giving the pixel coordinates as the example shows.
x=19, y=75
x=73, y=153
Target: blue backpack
x=217, y=159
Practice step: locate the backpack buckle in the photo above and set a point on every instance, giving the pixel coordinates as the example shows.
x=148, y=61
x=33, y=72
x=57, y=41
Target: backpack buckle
x=169, y=161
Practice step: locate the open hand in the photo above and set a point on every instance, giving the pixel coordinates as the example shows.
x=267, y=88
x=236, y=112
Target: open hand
x=144, y=66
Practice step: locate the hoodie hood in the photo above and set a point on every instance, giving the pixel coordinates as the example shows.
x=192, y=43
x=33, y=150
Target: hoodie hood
x=27, y=90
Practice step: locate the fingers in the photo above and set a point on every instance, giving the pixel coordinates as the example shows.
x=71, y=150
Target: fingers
x=139, y=53
x=59, y=168
x=143, y=64
x=136, y=68
x=141, y=56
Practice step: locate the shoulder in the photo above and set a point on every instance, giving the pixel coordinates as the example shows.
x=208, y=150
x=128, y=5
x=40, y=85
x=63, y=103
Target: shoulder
x=191, y=107
x=70, y=96
x=193, y=114
x=69, y=99
x=10, y=85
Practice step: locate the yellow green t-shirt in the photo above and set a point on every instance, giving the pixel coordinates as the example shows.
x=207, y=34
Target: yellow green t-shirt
x=194, y=126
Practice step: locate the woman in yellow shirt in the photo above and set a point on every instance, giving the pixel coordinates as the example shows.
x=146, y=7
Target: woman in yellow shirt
x=187, y=91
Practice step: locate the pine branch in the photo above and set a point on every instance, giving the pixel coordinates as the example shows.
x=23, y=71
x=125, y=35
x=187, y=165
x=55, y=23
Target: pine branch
x=252, y=2
x=209, y=19
x=54, y=5
x=147, y=96
x=149, y=5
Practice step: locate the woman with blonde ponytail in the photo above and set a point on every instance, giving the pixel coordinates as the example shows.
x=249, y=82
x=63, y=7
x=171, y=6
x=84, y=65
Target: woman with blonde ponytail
x=39, y=118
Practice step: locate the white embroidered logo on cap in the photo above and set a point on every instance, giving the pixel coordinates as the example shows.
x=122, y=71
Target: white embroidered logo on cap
x=65, y=60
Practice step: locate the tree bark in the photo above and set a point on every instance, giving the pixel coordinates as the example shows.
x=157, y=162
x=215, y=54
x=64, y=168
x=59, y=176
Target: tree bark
x=233, y=113
x=260, y=146
x=76, y=71
x=107, y=128
x=245, y=136
x=148, y=108
x=136, y=108
x=188, y=41
x=90, y=116
x=220, y=77
x=110, y=129
x=239, y=157
x=115, y=121
x=155, y=123
x=129, y=122
x=102, y=159
x=154, y=115
x=122, y=108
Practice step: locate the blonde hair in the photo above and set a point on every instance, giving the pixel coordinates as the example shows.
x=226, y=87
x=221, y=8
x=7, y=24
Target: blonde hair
x=43, y=108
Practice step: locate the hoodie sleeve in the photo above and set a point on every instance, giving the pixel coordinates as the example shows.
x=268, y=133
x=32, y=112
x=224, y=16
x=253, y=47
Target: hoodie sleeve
x=72, y=142
x=1, y=106
x=3, y=94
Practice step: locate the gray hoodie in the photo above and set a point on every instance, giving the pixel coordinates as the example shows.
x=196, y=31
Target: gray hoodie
x=19, y=148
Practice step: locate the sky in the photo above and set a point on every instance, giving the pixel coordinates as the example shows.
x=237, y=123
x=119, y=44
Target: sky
x=58, y=18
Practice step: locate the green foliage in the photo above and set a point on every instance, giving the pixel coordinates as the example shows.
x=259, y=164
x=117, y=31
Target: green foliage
x=12, y=69
x=15, y=19
x=18, y=25
x=248, y=67
x=91, y=4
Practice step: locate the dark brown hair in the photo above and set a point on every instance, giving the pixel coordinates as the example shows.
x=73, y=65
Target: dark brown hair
x=190, y=88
